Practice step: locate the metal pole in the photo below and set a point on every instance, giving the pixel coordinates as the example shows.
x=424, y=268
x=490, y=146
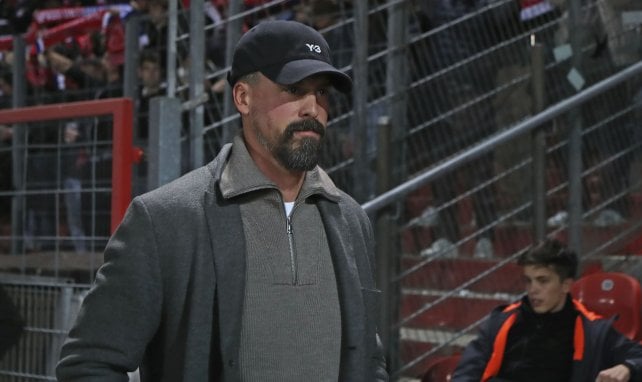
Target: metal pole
x=172, y=27
x=575, y=142
x=164, y=154
x=18, y=144
x=396, y=82
x=130, y=80
x=538, y=143
x=196, y=80
x=360, y=101
x=387, y=262
x=232, y=33
x=130, y=88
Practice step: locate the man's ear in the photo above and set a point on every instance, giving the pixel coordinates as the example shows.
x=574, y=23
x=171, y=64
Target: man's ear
x=241, y=97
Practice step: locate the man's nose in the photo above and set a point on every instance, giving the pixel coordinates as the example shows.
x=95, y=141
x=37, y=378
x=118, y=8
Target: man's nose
x=310, y=106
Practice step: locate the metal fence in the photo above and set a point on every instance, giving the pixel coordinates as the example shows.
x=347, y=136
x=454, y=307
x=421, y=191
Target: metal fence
x=438, y=295
x=48, y=307
x=69, y=168
x=57, y=190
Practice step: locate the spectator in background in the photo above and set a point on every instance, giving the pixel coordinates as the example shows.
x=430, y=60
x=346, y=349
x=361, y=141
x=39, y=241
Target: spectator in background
x=74, y=163
x=460, y=117
x=607, y=46
x=153, y=29
x=114, y=55
x=547, y=335
x=76, y=73
x=150, y=85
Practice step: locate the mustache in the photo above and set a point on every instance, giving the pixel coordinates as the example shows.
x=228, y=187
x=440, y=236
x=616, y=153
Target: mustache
x=305, y=125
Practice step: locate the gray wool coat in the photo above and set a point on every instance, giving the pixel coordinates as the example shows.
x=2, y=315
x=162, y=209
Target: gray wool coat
x=169, y=296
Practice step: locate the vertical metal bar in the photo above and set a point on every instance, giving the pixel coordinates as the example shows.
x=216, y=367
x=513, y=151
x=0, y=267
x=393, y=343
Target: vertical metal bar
x=172, y=26
x=232, y=35
x=196, y=80
x=61, y=318
x=19, y=141
x=392, y=143
x=121, y=174
x=396, y=82
x=538, y=143
x=130, y=78
x=360, y=100
x=164, y=153
x=575, y=142
x=387, y=264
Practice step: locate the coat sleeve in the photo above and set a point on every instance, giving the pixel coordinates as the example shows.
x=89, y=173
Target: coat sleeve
x=380, y=373
x=121, y=313
x=473, y=362
x=380, y=370
x=624, y=351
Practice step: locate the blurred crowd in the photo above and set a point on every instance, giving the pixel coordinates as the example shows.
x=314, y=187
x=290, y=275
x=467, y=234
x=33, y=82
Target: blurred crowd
x=76, y=51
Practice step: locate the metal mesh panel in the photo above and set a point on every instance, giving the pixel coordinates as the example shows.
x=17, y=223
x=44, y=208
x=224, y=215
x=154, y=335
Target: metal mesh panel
x=59, y=195
x=48, y=307
x=65, y=202
x=471, y=77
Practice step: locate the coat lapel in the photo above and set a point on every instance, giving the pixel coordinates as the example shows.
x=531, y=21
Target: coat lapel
x=228, y=250
x=349, y=286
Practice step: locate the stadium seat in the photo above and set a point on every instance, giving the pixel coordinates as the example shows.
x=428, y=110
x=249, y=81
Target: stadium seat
x=609, y=294
x=441, y=369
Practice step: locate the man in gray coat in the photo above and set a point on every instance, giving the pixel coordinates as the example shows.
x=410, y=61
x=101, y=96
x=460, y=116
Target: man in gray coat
x=255, y=267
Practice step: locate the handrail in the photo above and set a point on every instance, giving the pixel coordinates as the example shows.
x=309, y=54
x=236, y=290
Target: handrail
x=499, y=138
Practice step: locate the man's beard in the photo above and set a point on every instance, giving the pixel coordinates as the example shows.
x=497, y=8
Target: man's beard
x=304, y=155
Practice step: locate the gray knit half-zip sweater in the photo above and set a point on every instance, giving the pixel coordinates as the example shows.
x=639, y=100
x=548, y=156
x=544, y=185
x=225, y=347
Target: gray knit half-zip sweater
x=291, y=322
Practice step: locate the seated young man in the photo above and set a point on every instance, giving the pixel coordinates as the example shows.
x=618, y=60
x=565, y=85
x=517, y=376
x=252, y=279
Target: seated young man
x=548, y=336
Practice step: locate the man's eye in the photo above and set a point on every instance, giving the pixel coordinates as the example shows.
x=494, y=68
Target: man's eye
x=292, y=90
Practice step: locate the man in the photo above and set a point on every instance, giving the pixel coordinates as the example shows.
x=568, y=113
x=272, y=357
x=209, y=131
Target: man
x=149, y=75
x=547, y=335
x=252, y=268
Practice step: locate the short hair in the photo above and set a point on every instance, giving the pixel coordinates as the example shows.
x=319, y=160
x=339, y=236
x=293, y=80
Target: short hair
x=250, y=78
x=552, y=253
x=149, y=55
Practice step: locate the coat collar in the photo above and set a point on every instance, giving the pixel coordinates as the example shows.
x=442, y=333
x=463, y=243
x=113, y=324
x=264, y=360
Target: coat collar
x=240, y=175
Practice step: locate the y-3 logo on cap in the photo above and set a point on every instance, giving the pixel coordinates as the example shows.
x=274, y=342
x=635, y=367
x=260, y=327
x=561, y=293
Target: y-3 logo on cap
x=314, y=48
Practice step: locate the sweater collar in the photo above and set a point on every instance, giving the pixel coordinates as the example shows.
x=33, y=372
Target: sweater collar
x=567, y=313
x=241, y=176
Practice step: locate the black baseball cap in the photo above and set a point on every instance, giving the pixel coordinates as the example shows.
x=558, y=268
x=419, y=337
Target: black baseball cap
x=286, y=52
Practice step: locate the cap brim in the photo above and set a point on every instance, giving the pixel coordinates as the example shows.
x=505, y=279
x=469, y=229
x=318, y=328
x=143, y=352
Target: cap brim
x=295, y=71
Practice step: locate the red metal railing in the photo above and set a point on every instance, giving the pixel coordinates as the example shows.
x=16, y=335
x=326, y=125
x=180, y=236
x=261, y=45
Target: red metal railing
x=123, y=152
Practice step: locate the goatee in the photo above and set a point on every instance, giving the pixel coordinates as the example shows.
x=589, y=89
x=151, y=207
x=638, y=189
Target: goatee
x=304, y=154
